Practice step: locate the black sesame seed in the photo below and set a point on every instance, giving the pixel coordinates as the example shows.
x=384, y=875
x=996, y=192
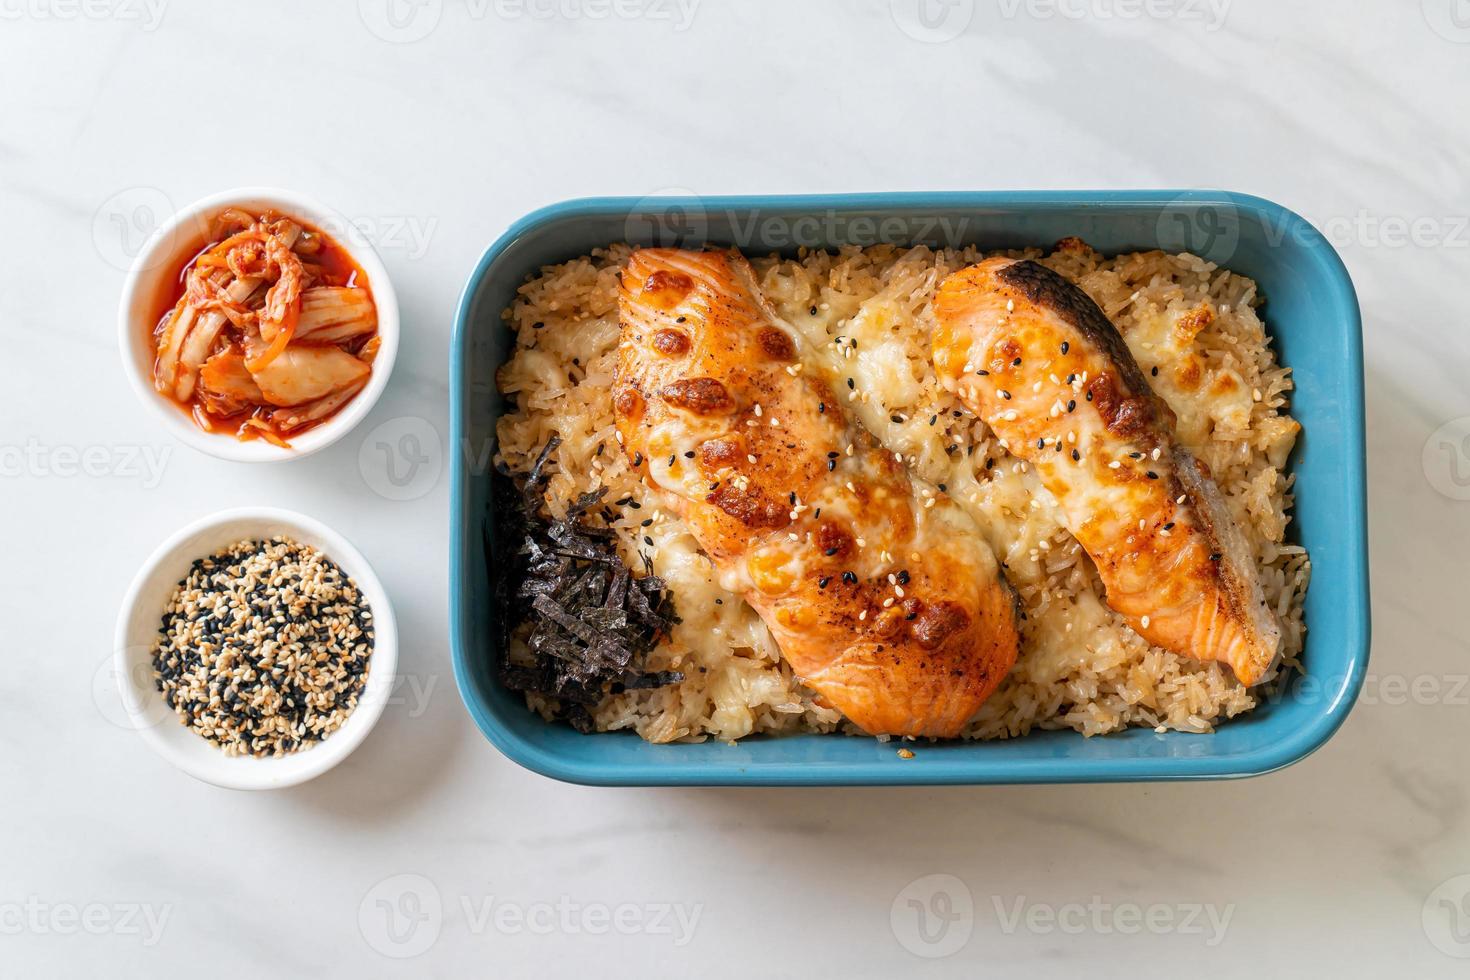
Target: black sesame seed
x=1152, y=475
x=822, y=582
x=1076, y=456
x=1066, y=347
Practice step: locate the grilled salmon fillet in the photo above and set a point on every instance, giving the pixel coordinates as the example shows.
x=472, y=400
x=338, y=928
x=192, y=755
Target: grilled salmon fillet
x=1035, y=357
x=884, y=600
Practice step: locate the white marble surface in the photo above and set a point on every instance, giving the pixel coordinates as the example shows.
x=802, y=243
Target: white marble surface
x=114, y=111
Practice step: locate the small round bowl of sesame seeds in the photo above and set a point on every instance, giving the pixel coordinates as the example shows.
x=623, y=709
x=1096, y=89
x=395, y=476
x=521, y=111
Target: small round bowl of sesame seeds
x=255, y=649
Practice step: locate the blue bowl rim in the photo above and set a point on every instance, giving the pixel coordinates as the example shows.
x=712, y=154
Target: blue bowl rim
x=1300, y=744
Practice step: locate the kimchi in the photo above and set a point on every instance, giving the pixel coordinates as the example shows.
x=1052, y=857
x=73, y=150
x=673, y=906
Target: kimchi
x=268, y=331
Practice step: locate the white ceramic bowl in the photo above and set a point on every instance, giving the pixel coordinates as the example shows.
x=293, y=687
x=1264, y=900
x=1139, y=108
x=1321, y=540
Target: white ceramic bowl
x=138, y=626
x=166, y=251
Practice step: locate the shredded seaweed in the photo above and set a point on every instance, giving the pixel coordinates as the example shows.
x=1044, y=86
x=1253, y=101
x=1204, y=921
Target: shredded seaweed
x=592, y=622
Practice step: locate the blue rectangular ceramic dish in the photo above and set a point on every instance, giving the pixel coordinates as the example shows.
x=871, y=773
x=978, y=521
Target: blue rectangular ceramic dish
x=1311, y=311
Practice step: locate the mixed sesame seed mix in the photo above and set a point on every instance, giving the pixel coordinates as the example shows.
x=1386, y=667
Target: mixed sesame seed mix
x=264, y=647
